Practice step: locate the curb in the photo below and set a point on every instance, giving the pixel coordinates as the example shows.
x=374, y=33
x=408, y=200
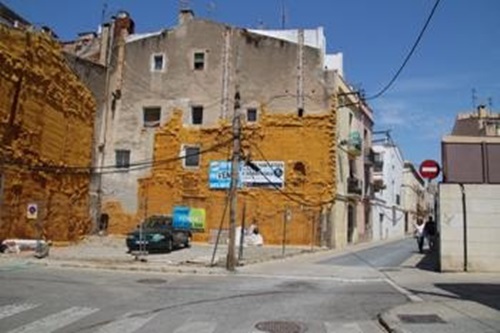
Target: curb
x=389, y=323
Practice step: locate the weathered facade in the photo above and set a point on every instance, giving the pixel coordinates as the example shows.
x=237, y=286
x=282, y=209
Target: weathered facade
x=168, y=116
x=354, y=164
x=46, y=128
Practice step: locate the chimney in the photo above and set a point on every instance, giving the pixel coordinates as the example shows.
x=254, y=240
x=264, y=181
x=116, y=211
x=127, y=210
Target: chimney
x=185, y=15
x=105, y=39
x=482, y=112
x=123, y=22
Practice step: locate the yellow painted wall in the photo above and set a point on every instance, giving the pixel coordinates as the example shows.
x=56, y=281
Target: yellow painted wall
x=278, y=137
x=46, y=121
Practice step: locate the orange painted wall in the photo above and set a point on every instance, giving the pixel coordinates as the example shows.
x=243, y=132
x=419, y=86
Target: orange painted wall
x=276, y=137
x=46, y=125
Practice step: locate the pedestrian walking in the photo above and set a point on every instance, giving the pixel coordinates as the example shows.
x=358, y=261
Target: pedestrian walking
x=419, y=235
x=430, y=232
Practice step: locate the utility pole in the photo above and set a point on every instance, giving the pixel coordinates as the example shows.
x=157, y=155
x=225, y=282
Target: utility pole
x=235, y=165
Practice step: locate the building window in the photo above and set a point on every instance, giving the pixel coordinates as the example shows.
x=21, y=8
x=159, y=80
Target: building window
x=191, y=156
x=151, y=116
x=197, y=115
x=122, y=158
x=157, y=62
x=398, y=199
x=251, y=115
x=199, y=61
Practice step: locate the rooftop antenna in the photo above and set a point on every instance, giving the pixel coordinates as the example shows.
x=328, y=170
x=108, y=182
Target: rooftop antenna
x=474, y=98
x=283, y=14
x=211, y=8
x=184, y=4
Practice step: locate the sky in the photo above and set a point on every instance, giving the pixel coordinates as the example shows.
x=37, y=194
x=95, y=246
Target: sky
x=458, y=54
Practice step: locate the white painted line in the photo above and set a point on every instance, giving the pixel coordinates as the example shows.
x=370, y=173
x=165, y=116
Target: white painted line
x=10, y=310
x=56, y=321
x=198, y=327
x=314, y=278
x=128, y=323
x=411, y=296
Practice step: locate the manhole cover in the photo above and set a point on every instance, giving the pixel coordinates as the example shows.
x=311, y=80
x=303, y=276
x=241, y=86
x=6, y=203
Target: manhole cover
x=421, y=319
x=151, y=281
x=280, y=327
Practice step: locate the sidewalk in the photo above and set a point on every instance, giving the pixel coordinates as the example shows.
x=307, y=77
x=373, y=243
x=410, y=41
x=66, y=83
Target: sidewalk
x=109, y=252
x=445, y=302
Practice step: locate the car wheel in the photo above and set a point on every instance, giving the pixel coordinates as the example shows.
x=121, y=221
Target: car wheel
x=170, y=245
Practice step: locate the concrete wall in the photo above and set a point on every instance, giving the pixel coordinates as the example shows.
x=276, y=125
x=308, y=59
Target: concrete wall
x=483, y=227
x=46, y=127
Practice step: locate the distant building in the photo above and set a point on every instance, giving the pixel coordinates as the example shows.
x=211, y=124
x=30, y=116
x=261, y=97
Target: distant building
x=413, y=192
x=469, y=196
x=11, y=19
x=388, y=214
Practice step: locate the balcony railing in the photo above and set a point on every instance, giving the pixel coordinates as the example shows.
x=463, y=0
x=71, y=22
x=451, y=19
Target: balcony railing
x=354, y=186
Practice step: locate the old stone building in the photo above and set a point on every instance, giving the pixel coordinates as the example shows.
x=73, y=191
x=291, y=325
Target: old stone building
x=167, y=128
x=46, y=127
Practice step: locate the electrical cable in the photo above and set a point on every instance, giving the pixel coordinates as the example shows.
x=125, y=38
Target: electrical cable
x=414, y=47
x=280, y=190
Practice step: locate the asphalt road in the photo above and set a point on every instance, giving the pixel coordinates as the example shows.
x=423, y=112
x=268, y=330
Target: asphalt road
x=305, y=294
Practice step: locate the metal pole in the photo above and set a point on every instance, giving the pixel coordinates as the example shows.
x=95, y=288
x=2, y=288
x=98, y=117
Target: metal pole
x=235, y=163
x=285, y=215
x=464, y=212
x=242, y=233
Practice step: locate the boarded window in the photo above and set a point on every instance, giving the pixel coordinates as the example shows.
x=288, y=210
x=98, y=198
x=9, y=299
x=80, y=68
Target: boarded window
x=191, y=156
x=152, y=116
x=122, y=158
x=199, y=60
x=463, y=163
x=493, y=162
x=197, y=115
x=251, y=115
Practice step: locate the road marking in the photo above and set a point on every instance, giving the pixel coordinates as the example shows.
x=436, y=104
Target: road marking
x=55, y=321
x=313, y=278
x=342, y=328
x=411, y=296
x=198, y=327
x=10, y=310
x=128, y=323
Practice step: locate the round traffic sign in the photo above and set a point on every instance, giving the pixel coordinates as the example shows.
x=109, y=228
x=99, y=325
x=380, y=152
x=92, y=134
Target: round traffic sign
x=429, y=169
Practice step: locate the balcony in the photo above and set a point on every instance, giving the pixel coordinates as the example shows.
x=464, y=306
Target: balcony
x=354, y=186
x=353, y=145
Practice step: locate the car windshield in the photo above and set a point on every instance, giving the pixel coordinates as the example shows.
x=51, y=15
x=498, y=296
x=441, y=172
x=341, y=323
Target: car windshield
x=154, y=222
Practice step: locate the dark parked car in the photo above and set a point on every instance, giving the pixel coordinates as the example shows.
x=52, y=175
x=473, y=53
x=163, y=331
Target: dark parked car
x=157, y=234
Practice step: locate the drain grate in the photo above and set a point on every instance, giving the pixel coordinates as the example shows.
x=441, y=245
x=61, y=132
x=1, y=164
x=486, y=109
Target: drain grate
x=151, y=281
x=280, y=327
x=421, y=319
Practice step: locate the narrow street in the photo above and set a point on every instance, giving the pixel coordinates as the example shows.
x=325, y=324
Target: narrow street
x=311, y=293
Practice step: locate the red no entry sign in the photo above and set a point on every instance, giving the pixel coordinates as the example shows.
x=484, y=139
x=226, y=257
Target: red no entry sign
x=429, y=169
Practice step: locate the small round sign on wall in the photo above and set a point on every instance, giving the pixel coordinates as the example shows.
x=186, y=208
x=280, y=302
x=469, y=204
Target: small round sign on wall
x=429, y=169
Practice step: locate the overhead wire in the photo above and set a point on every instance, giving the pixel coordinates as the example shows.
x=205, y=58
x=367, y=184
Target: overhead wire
x=409, y=55
x=283, y=193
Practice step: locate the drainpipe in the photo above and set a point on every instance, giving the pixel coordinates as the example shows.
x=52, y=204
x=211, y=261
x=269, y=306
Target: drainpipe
x=464, y=212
